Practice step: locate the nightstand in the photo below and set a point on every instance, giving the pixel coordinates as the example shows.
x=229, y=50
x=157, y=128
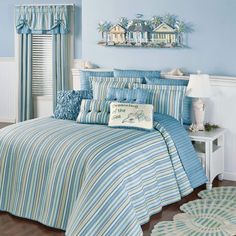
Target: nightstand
x=210, y=150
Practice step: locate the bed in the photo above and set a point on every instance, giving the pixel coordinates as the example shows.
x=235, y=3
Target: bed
x=92, y=179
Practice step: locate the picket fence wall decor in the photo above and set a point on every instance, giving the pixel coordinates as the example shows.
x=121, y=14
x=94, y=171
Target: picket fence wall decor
x=167, y=31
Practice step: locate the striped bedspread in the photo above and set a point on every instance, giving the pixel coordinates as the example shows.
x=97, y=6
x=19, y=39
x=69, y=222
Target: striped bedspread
x=91, y=179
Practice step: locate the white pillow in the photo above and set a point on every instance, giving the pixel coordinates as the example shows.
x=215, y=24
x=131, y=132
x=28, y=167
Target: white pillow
x=130, y=115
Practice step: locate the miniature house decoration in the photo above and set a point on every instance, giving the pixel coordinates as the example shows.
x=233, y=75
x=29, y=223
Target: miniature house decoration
x=117, y=34
x=159, y=32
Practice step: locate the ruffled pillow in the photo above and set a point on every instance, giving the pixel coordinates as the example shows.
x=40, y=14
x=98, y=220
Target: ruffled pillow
x=68, y=103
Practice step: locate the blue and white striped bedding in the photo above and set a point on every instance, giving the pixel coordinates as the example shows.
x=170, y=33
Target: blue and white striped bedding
x=91, y=179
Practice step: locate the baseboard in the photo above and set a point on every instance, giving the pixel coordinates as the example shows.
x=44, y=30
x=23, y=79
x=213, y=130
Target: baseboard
x=7, y=120
x=230, y=176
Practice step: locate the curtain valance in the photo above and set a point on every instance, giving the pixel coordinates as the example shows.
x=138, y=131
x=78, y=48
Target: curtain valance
x=42, y=19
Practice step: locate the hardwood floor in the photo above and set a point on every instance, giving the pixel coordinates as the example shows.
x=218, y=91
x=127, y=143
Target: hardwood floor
x=14, y=226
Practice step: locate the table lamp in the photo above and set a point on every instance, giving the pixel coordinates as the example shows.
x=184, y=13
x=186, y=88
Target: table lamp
x=198, y=88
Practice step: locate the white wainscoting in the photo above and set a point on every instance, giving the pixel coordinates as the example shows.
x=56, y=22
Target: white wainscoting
x=43, y=106
x=8, y=94
x=221, y=109
x=8, y=81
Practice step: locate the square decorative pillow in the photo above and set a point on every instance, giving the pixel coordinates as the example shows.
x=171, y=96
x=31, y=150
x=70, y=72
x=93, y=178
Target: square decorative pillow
x=100, y=85
x=137, y=73
x=187, y=105
x=68, y=103
x=165, y=99
x=126, y=95
x=131, y=115
x=85, y=74
x=94, y=112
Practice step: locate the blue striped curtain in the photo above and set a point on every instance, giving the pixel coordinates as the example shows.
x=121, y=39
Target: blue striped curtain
x=60, y=65
x=42, y=20
x=25, y=103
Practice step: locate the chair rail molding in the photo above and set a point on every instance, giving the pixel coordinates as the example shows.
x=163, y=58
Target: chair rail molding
x=5, y=59
x=216, y=80
x=226, y=81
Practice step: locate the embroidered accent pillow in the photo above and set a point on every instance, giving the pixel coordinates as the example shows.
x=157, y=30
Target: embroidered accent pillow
x=126, y=95
x=187, y=105
x=100, y=85
x=131, y=115
x=94, y=112
x=68, y=103
x=165, y=99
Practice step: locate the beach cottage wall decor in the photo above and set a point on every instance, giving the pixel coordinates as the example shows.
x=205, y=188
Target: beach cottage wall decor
x=166, y=31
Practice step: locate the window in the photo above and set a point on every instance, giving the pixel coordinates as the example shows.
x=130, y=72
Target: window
x=41, y=65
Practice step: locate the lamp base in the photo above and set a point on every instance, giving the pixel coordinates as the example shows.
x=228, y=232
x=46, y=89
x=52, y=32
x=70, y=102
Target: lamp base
x=196, y=128
x=199, y=113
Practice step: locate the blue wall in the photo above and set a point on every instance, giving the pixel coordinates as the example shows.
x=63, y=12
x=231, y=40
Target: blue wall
x=7, y=24
x=213, y=44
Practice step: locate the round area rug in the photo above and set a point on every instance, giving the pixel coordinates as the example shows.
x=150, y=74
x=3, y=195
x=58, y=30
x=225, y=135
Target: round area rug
x=188, y=225
x=203, y=217
x=219, y=193
x=210, y=209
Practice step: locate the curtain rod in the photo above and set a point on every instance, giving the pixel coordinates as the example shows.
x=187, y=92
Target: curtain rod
x=23, y=5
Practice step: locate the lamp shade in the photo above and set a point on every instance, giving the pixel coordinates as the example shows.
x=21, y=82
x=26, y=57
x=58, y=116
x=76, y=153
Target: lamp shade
x=199, y=86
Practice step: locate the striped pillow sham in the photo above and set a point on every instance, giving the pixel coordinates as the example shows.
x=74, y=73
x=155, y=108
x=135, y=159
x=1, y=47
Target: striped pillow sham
x=94, y=112
x=187, y=105
x=136, y=73
x=165, y=99
x=85, y=74
x=100, y=85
